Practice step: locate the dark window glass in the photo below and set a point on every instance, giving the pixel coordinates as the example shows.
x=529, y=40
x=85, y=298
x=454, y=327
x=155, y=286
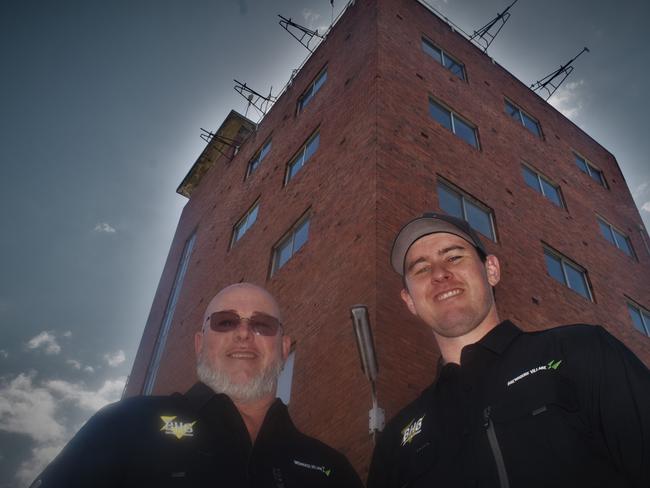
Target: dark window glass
x=531, y=124
x=455, y=67
x=301, y=235
x=441, y=114
x=312, y=145
x=554, y=267
x=531, y=179
x=283, y=254
x=596, y=175
x=512, y=111
x=582, y=164
x=432, y=51
x=303, y=155
x=479, y=219
x=465, y=132
x=450, y=201
x=606, y=230
x=622, y=242
x=577, y=280
x=290, y=245
x=311, y=91
x=551, y=192
x=640, y=319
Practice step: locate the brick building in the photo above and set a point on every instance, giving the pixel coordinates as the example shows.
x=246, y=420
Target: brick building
x=394, y=114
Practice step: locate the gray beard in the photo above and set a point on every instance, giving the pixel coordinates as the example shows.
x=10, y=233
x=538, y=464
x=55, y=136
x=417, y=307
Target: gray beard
x=259, y=386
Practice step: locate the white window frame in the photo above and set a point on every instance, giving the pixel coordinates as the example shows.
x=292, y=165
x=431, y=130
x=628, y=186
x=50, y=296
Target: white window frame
x=591, y=168
x=243, y=223
x=256, y=160
x=615, y=243
x=564, y=262
x=641, y=311
x=463, y=197
x=170, y=308
x=453, y=115
x=541, y=177
x=443, y=55
x=521, y=111
x=300, y=156
x=289, y=235
x=310, y=92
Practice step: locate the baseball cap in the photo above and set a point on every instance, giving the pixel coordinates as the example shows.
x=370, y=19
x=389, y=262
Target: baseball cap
x=430, y=223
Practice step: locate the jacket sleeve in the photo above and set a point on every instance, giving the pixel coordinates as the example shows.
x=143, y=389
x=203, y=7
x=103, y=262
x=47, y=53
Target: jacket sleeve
x=94, y=456
x=622, y=391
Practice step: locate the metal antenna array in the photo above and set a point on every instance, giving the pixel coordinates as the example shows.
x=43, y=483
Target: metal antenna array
x=298, y=30
x=208, y=136
x=261, y=103
x=486, y=34
x=552, y=80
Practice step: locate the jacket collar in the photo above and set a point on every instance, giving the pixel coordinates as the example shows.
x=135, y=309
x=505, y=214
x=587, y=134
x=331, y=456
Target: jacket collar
x=499, y=338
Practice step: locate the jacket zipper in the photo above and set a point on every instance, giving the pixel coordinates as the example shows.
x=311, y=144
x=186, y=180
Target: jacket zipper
x=494, y=446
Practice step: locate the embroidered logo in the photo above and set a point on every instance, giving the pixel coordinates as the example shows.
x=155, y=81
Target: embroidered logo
x=322, y=469
x=177, y=429
x=411, y=430
x=551, y=365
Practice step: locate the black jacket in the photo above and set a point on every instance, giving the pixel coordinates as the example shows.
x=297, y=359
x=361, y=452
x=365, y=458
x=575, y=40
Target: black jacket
x=565, y=407
x=197, y=439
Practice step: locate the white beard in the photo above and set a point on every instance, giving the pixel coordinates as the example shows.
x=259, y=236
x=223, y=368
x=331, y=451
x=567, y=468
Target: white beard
x=257, y=387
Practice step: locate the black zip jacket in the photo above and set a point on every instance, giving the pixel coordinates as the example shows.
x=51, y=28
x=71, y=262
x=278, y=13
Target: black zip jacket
x=194, y=440
x=565, y=407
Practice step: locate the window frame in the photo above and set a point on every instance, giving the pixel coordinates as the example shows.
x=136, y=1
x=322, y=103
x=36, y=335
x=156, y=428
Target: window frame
x=289, y=235
x=300, y=153
x=168, y=316
x=521, y=113
x=444, y=54
x=540, y=176
x=641, y=311
x=452, y=116
x=244, y=219
x=612, y=228
x=564, y=262
x=474, y=201
x=259, y=156
x=591, y=168
x=308, y=93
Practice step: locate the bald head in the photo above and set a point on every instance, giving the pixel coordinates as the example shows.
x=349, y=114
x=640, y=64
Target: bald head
x=243, y=296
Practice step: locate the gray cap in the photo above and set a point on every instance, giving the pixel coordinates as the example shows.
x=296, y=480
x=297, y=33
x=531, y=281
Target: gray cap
x=431, y=223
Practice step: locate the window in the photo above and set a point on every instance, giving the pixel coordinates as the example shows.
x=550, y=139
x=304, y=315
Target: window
x=443, y=58
x=588, y=168
x=303, y=156
x=526, y=120
x=159, y=348
x=567, y=272
x=615, y=237
x=455, y=203
x=245, y=223
x=453, y=122
x=542, y=185
x=311, y=91
x=286, y=379
x=640, y=318
x=254, y=163
x=290, y=244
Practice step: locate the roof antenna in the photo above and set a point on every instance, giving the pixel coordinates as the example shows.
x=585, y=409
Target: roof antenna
x=208, y=136
x=306, y=35
x=260, y=102
x=484, y=37
x=551, y=80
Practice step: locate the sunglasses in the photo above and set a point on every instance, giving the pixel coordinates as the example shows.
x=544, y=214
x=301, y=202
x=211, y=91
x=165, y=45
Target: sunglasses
x=260, y=323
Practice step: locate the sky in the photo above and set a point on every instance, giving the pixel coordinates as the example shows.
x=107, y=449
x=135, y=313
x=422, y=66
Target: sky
x=101, y=105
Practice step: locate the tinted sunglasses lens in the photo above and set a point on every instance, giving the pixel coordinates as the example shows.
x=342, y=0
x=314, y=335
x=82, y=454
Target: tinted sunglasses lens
x=264, y=326
x=224, y=321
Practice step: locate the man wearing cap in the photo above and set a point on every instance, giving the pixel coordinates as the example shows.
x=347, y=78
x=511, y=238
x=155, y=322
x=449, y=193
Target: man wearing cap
x=229, y=430
x=564, y=407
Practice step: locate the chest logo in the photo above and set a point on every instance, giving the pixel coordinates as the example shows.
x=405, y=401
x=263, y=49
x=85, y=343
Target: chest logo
x=177, y=429
x=322, y=469
x=411, y=430
x=552, y=365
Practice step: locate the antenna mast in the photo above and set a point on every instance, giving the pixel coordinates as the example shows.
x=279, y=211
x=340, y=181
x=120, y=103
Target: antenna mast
x=486, y=34
x=552, y=80
x=306, y=35
x=208, y=136
x=261, y=103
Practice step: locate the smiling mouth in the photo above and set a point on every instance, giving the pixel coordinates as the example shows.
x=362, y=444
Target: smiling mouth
x=242, y=355
x=448, y=294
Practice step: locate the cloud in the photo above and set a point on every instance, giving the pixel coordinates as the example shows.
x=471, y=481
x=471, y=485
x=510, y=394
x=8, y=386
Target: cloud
x=568, y=99
x=46, y=341
x=313, y=22
x=39, y=411
x=115, y=359
x=639, y=190
x=74, y=363
x=67, y=333
x=646, y=206
x=89, y=369
x=4, y=354
x=105, y=227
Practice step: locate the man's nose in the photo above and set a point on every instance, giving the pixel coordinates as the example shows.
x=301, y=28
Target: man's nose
x=243, y=331
x=440, y=272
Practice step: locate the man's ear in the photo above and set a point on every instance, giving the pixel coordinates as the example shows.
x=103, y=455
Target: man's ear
x=198, y=343
x=286, y=347
x=492, y=269
x=406, y=298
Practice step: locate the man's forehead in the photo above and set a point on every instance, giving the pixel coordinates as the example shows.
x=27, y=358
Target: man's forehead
x=439, y=242
x=244, y=298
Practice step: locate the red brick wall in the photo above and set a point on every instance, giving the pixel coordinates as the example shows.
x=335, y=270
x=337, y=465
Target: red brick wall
x=379, y=158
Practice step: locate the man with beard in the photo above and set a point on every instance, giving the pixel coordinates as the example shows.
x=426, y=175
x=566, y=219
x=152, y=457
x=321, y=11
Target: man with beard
x=228, y=430
x=563, y=407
